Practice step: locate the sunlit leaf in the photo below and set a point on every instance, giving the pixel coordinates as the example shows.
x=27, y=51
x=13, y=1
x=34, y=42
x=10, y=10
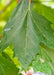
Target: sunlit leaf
x=45, y=11
x=7, y=67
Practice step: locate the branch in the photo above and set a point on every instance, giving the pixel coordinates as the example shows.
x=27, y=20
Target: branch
x=0, y=37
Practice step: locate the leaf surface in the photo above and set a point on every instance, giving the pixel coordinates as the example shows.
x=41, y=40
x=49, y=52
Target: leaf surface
x=26, y=29
x=47, y=54
x=7, y=67
x=39, y=64
x=45, y=11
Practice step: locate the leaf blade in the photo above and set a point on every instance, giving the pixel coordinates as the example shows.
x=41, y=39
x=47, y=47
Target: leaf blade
x=7, y=67
x=26, y=29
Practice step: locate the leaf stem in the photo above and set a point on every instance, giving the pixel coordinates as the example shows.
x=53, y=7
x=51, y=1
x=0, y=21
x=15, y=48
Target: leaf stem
x=29, y=5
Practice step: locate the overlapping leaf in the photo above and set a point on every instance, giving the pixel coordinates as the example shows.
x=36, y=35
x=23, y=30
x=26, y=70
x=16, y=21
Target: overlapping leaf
x=45, y=11
x=39, y=64
x=7, y=67
x=49, y=14
x=47, y=58
x=48, y=55
x=26, y=29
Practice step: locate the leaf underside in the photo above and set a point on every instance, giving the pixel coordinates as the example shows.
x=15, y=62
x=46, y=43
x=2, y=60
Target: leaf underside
x=26, y=29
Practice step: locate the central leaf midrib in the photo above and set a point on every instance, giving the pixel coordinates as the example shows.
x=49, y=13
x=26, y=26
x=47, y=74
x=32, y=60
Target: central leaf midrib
x=26, y=35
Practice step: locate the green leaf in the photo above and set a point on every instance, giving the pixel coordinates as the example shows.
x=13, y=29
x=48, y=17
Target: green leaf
x=52, y=72
x=25, y=30
x=45, y=11
x=7, y=67
x=47, y=54
x=41, y=66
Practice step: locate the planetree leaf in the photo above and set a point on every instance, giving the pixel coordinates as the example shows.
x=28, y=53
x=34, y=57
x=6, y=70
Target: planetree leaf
x=47, y=54
x=44, y=10
x=25, y=30
x=7, y=67
x=46, y=58
x=48, y=13
x=39, y=64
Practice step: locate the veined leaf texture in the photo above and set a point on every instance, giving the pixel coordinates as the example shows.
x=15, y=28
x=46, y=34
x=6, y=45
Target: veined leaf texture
x=25, y=30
